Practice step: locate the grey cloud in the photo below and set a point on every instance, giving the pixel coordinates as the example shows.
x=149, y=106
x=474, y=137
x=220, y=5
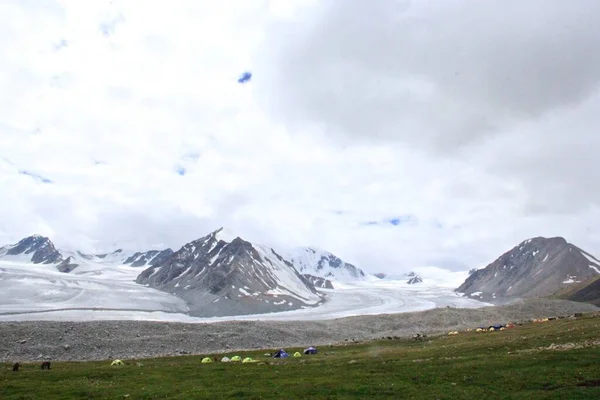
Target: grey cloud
x=437, y=74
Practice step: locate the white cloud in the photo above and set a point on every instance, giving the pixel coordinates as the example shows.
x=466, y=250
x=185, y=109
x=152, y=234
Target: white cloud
x=484, y=136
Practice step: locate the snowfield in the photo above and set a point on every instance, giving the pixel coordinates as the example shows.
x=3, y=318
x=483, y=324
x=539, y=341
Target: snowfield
x=97, y=291
x=27, y=287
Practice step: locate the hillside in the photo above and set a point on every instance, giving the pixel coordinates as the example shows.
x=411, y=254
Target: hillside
x=587, y=291
x=536, y=267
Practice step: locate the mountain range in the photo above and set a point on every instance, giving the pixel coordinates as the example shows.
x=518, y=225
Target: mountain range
x=219, y=274
x=222, y=274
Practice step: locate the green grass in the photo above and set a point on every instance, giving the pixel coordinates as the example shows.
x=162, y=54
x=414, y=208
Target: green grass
x=471, y=365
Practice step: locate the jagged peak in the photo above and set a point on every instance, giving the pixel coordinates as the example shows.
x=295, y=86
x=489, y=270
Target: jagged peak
x=36, y=238
x=225, y=234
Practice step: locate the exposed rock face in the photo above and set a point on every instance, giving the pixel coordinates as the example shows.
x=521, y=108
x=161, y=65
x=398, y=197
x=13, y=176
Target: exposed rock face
x=40, y=248
x=536, y=267
x=152, y=257
x=319, y=282
x=219, y=276
x=380, y=275
x=67, y=265
x=415, y=279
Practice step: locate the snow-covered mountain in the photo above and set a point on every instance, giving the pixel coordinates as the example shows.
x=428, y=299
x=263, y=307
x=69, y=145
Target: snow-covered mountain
x=320, y=263
x=536, y=267
x=36, y=249
x=222, y=274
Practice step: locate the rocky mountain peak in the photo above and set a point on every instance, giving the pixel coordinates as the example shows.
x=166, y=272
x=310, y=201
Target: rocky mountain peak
x=41, y=248
x=222, y=274
x=414, y=279
x=535, y=267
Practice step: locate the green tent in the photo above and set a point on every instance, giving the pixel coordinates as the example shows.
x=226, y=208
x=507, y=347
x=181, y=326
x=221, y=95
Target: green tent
x=206, y=360
x=236, y=359
x=249, y=360
x=117, y=362
x=297, y=354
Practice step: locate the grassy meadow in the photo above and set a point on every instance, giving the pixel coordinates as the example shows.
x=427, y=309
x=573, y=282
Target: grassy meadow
x=551, y=360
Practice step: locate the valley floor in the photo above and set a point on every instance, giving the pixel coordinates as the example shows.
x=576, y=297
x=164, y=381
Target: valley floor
x=98, y=340
x=106, y=292
x=551, y=360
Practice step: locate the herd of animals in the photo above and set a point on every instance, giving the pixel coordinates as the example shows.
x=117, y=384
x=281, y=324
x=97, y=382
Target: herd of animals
x=45, y=365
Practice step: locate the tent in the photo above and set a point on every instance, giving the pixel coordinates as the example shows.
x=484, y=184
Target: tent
x=297, y=354
x=225, y=359
x=248, y=360
x=281, y=354
x=310, y=350
x=117, y=362
x=206, y=360
x=236, y=359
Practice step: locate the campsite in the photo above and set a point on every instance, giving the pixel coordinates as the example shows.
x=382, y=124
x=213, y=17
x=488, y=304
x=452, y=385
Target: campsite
x=554, y=359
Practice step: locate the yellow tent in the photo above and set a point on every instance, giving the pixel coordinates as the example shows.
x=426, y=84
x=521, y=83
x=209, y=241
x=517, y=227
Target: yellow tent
x=236, y=359
x=297, y=354
x=247, y=360
x=117, y=362
x=206, y=360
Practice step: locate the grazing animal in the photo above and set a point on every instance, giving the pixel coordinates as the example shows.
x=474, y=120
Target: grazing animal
x=46, y=365
x=16, y=366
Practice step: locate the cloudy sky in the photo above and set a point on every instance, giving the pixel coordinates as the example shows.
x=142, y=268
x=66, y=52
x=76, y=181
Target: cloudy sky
x=392, y=133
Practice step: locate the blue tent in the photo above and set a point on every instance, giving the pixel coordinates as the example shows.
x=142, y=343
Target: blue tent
x=281, y=354
x=310, y=350
x=245, y=77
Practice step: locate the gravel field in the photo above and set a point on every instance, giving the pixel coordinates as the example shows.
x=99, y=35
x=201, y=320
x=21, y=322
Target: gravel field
x=100, y=340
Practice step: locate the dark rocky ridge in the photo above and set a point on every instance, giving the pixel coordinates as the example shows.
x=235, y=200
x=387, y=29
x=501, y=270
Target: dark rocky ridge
x=149, y=258
x=42, y=250
x=318, y=282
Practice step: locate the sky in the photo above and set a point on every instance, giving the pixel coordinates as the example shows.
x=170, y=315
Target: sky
x=430, y=133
